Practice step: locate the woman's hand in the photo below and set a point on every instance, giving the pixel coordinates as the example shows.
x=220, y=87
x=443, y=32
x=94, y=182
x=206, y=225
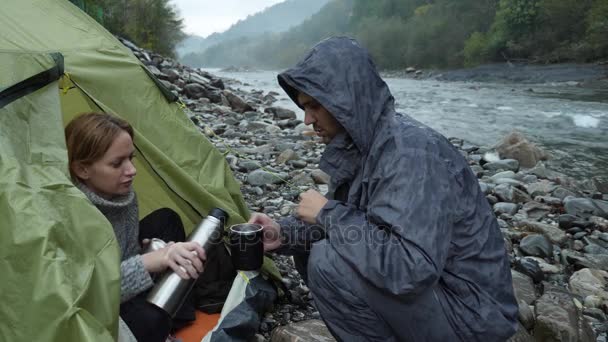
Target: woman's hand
x=184, y=258
x=271, y=237
x=311, y=203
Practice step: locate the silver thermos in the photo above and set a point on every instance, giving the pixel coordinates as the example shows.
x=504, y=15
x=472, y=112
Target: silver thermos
x=171, y=291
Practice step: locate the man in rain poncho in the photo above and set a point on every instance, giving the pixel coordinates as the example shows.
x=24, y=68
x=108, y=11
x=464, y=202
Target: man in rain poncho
x=406, y=247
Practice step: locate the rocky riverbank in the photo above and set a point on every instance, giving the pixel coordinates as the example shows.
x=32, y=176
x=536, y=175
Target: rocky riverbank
x=556, y=234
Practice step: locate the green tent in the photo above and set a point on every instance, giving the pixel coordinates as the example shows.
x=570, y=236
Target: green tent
x=59, y=261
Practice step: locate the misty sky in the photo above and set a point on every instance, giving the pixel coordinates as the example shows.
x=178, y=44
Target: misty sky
x=203, y=17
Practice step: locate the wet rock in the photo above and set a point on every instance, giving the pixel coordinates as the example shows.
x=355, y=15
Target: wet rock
x=554, y=234
x=523, y=287
x=525, y=315
x=260, y=177
x=504, y=164
x=503, y=174
x=530, y=268
x=585, y=207
x=542, y=188
x=505, y=208
x=558, y=319
x=237, y=103
x=587, y=282
x=535, y=210
x=516, y=146
x=536, y=245
x=566, y=221
x=280, y=113
x=286, y=156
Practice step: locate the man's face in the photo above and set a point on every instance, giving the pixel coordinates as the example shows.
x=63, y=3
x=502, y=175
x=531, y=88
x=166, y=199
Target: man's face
x=324, y=124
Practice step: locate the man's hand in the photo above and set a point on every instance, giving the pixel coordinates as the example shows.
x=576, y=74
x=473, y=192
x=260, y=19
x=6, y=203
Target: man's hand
x=311, y=202
x=271, y=231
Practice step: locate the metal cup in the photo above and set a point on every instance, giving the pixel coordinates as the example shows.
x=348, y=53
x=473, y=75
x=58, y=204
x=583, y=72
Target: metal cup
x=246, y=246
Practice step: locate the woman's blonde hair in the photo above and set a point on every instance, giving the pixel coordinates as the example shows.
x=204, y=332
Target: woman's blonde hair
x=89, y=135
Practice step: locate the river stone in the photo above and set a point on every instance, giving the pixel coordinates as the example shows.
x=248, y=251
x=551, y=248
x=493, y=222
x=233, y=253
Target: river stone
x=286, y=156
x=546, y=267
x=553, y=233
x=601, y=183
x=523, y=287
x=593, y=301
x=558, y=319
x=525, y=314
x=585, y=207
x=599, y=261
x=530, y=268
x=542, y=188
x=536, y=210
x=301, y=178
x=599, y=222
x=511, y=181
x=562, y=193
x=587, y=282
x=503, y=174
x=554, y=201
x=281, y=113
x=194, y=90
x=503, y=164
x=313, y=330
x=260, y=177
x=505, y=208
x=248, y=165
x=536, y=245
x=236, y=102
x=504, y=192
x=529, y=179
x=566, y=221
x=516, y=146
x=298, y=164
x=197, y=79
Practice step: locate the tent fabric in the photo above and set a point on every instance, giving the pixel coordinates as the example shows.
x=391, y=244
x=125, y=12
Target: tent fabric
x=413, y=220
x=58, y=254
x=59, y=258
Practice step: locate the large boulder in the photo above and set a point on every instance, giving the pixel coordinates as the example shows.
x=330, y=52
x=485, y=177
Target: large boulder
x=559, y=319
x=237, y=103
x=516, y=146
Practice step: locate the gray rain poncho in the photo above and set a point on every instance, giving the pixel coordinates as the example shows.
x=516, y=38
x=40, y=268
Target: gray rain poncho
x=411, y=248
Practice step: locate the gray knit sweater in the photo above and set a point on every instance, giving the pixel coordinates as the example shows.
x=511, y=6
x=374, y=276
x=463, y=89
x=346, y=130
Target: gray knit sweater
x=122, y=212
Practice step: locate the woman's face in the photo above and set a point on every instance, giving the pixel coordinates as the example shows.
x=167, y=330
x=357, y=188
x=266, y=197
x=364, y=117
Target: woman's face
x=113, y=174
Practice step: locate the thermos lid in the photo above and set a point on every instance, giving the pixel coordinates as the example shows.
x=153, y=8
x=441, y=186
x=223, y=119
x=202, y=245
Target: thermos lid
x=219, y=214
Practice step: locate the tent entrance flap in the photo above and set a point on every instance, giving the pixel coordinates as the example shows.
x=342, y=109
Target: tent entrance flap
x=31, y=84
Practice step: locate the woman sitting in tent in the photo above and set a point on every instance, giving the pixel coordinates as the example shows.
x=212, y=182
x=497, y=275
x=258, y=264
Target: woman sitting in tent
x=100, y=152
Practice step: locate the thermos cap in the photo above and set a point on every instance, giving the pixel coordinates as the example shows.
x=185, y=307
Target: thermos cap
x=219, y=214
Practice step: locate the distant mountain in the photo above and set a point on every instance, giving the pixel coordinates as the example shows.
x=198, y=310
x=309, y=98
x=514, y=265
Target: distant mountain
x=192, y=43
x=277, y=18
x=277, y=50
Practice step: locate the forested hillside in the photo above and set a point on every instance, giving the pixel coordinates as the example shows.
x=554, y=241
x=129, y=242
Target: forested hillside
x=438, y=33
x=151, y=24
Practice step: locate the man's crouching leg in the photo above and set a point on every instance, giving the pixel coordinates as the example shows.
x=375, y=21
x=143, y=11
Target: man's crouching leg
x=334, y=286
